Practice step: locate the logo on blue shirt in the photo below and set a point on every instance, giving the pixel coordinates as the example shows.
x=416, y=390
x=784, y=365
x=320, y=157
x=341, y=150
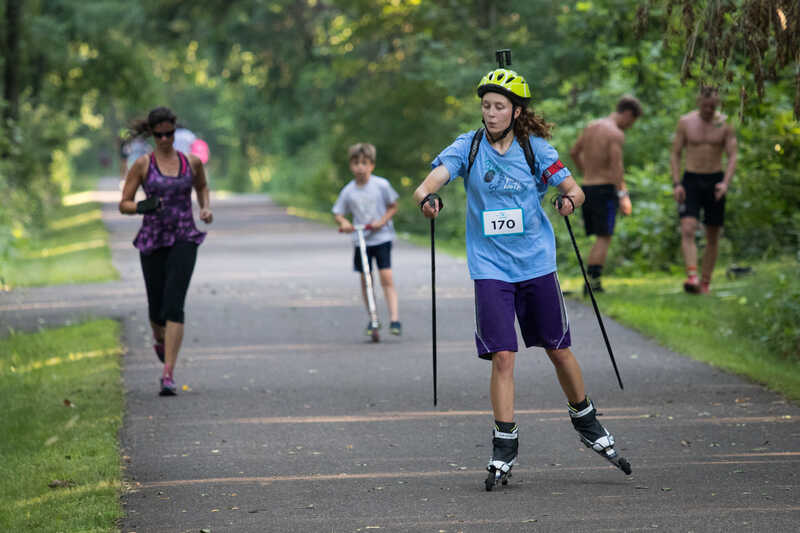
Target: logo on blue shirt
x=500, y=183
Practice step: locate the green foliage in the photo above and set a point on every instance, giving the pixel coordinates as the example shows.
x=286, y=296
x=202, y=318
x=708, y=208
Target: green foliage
x=45, y=440
x=279, y=89
x=766, y=192
x=26, y=189
x=770, y=304
x=70, y=50
x=742, y=43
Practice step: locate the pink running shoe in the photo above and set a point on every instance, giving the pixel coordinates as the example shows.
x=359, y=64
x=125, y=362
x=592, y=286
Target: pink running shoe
x=168, y=387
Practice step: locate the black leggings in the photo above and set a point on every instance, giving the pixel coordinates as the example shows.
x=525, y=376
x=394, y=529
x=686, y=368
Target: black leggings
x=167, y=273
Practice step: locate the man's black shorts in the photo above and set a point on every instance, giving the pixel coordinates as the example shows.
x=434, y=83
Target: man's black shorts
x=700, y=194
x=380, y=253
x=600, y=209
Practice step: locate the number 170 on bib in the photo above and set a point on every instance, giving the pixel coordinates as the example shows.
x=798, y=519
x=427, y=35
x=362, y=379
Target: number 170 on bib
x=503, y=222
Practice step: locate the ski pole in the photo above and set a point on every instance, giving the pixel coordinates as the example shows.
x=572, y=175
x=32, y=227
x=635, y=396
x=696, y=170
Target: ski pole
x=433, y=303
x=559, y=201
x=431, y=200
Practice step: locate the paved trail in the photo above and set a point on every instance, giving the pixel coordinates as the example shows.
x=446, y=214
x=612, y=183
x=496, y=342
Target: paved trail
x=293, y=422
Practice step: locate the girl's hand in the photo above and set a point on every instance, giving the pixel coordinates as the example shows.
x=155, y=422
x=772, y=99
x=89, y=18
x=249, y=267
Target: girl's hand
x=346, y=227
x=431, y=205
x=565, y=205
x=206, y=215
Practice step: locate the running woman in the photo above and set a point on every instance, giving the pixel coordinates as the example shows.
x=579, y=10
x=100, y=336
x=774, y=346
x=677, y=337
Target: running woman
x=168, y=239
x=511, y=253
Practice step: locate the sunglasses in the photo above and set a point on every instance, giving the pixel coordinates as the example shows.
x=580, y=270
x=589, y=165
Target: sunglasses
x=159, y=134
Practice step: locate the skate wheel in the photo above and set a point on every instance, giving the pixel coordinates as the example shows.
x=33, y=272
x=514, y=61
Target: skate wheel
x=504, y=481
x=489, y=482
x=625, y=466
x=375, y=336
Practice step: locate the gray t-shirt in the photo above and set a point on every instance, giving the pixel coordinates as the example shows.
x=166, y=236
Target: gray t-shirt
x=367, y=203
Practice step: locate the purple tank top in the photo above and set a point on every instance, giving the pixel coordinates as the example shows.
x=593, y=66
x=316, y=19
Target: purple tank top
x=174, y=221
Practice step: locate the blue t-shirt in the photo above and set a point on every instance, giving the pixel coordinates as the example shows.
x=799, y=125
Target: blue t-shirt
x=498, y=187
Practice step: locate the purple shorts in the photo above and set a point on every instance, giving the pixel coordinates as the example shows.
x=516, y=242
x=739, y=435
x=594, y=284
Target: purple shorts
x=537, y=304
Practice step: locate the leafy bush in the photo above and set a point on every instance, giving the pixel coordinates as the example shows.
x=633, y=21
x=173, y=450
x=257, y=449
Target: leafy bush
x=774, y=299
x=27, y=167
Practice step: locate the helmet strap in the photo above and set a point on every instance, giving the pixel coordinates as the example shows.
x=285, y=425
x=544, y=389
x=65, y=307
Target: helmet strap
x=505, y=131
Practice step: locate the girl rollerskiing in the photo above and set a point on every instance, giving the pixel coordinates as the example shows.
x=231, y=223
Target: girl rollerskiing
x=507, y=167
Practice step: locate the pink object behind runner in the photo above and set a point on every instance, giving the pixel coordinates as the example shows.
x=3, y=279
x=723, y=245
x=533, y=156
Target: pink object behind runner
x=200, y=149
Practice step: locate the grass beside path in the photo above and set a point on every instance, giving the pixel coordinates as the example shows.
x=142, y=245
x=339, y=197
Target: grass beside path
x=748, y=326
x=60, y=413
x=72, y=248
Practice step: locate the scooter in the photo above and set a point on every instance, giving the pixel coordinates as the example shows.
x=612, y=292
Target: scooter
x=366, y=268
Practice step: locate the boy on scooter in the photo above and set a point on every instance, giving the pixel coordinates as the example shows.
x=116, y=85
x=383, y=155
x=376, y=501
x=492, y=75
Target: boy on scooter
x=372, y=202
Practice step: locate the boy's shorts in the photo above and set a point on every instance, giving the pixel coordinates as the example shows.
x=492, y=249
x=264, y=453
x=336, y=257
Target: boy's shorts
x=380, y=253
x=600, y=209
x=538, y=305
x=700, y=194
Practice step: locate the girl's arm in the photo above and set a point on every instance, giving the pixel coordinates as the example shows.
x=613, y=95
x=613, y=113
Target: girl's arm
x=134, y=178
x=201, y=188
x=569, y=187
x=436, y=179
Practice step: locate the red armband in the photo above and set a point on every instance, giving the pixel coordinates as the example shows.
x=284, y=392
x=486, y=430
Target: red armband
x=552, y=169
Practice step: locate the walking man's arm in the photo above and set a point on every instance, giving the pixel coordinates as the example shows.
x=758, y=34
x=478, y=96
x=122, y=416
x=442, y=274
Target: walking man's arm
x=618, y=172
x=575, y=153
x=675, y=162
x=732, y=151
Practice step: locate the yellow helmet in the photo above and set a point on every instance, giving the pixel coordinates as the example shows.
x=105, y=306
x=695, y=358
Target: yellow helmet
x=508, y=83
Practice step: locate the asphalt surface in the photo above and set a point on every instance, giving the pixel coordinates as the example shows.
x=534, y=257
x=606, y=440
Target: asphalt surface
x=293, y=421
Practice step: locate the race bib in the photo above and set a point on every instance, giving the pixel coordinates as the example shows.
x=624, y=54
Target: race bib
x=502, y=222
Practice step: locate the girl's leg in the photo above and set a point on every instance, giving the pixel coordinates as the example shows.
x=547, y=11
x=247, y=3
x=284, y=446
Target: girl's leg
x=582, y=411
x=501, y=386
x=154, y=270
x=569, y=374
x=389, y=292
x=173, y=340
x=158, y=332
x=180, y=265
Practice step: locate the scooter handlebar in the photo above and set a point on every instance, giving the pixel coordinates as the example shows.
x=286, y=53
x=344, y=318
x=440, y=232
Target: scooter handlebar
x=359, y=227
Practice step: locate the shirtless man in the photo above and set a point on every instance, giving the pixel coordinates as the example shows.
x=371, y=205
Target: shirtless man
x=705, y=135
x=598, y=156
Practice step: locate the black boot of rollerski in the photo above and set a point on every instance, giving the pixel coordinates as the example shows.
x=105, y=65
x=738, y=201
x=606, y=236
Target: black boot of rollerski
x=504, y=455
x=595, y=436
